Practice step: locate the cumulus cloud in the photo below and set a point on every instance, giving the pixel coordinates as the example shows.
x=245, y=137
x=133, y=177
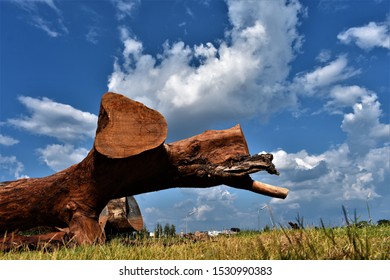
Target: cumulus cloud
x=35, y=11
x=341, y=180
x=355, y=170
x=368, y=36
x=301, y=166
x=220, y=194
x=59, y=157
x=12, y=166
x=57, y=120
x=7, y=140
x=342, y=97
x=334, y=72
x=241, y=76
x=363, y=126
x=200, y=213
x=246, y=74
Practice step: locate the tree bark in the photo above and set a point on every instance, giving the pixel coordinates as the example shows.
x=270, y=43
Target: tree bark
x=130, y=157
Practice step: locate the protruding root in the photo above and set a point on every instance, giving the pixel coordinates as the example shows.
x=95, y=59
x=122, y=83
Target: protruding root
x=86, y=230
x=247, y=183
x=269, y=190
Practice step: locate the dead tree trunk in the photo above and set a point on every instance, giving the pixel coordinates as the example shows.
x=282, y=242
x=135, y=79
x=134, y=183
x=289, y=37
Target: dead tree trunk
x=130, y=157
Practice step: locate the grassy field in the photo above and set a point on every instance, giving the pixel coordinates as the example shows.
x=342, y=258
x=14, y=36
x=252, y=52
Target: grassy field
x=371, y=242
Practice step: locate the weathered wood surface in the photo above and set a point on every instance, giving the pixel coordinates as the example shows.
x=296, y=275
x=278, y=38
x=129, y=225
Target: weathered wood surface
x=121, y=215
x=121, y=164
x=127, y=127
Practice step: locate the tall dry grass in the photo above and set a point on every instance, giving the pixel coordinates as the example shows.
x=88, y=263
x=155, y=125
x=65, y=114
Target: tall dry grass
x=351, y=242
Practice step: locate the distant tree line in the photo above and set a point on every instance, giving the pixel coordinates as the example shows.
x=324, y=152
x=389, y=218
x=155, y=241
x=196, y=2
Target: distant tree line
x=383, y=222
x=169, y=230
x=166, y=231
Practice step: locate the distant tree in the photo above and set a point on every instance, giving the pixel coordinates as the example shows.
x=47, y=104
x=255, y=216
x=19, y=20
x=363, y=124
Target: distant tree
x=234, y=229
x=167, y=230
x=384, y=222
x=143, y=233
x=173, y=230
x=293, y=225
x=158, y=231
x=362, y=224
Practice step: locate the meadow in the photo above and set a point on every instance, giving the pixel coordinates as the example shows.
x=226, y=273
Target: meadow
x=345, y=243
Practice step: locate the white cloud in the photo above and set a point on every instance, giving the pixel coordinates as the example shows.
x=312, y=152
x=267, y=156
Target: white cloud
x=245, y=74
x=240, y=77
x=43, y=24
x=53, y=28
x=92, y=35
x=377, y=161
x=344, y=97
x=219, y=194
x=125, y=8
x=202, y=212
x=12, y=166
x=7, y=140
x=59, y=157
x=50, y=118
x=339, y=177
x=32, y=4
x=93, y=28
x=368, y=36
x=300, y=167
x=355, y=170
x=300, y=160
x=323, y=77
x=363, y=126
x=324, y=56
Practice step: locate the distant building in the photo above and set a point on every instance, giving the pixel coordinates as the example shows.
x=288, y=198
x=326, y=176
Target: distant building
x=226, y=231
x=213, y=233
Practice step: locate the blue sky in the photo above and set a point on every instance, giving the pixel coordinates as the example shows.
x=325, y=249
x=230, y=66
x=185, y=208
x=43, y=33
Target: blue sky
x=307, y=80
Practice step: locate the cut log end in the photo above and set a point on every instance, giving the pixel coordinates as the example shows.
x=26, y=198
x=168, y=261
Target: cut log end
x=127, y=127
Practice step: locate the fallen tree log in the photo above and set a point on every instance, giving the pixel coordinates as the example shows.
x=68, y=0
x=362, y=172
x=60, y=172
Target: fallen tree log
x=130, y=157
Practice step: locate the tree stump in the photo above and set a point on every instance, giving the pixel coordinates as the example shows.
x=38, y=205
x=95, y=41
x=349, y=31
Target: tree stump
x=121, y=215
x=129, y=157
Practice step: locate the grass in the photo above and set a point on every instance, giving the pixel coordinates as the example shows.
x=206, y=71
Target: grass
x=351, y=242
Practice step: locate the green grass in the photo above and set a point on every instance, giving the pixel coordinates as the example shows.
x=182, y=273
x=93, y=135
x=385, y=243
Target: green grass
x=371, y=242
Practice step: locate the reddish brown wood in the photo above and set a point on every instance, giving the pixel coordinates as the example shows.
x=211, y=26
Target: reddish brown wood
x=120, y=164
x=127, y=127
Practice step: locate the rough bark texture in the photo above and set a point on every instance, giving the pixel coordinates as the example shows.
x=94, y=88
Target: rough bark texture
x=130, y=157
